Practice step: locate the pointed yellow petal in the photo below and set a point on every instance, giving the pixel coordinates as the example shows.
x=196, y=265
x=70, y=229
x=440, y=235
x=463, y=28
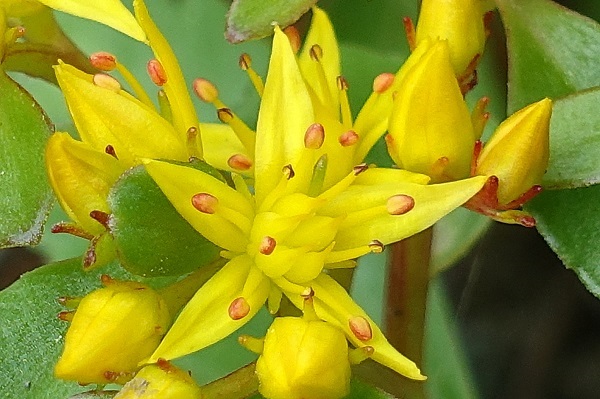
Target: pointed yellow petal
x=368, y=217
x=285, y=114
x=205, y=319
x=220, y=143
x=184, y=113
x=225, y=224
x=81, y=178
x=105, y=117
x=108, y=12
x=321, y=33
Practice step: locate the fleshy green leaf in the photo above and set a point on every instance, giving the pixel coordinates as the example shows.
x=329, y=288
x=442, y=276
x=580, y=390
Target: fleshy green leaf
x=152, y=239
x=253, y=19
x=568, y=221
x=26, y=197
x=574, y=133
x=552, y=54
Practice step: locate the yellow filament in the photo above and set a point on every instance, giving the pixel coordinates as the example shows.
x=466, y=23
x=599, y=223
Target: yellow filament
x=256, y=80
x=135, y=85
x=345, y=109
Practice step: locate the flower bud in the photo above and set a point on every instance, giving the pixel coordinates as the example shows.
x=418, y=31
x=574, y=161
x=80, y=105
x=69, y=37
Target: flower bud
x=113, y=329
x=430, y=129
x=160, y=381
x=304, y=359
x=517, y=153
x=460, y=22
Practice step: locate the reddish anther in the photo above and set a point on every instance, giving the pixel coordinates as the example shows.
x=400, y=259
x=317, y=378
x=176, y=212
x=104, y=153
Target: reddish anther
x=361, y=328
x=294, y=37
x=157, y=73
x=205, y=203
x=316, y=52
x=400, y=204
x=107, y=82
x=342, y=83
x=205, y=90
x=267, y=245
x=383, y=81
x=314, y=136
x=245, y=61
x=409, y=29
x=477, y=148
x=348, y=138
x=358, y=169
x=239, y=308
x=103, y=61
x=239, y=162
x=101, y=217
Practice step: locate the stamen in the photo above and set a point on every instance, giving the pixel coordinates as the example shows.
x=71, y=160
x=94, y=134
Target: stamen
x=66, y=315
x=103, y=61
x=225, y=115
x=342, y=84
x=245, y=63
x=360, y=168
x=70, y=228
x=241, y=130
x=348, y=138
x=383, y=82
x=318, y=176
x=205, y=203
x=107, y=82
x=137, y=88
x=238, y=309
x=267, y=245
x=314, y=136
x=110, y=150
x=205, y=90
x=316, y=53
x=411, y=36
x=156, y=72
x=376, y=246
x=192, y=143
x=400, y=204
x=361, y=328
x=101, y=217
x=239, y=162
x=294, y=37
x=288, y=172
x=69, y=301
x=255, y=345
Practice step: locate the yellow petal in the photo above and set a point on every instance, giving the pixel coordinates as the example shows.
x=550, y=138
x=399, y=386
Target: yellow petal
x=180, y=184
x=104, y=117
x=285, y=114
x=205, y=319
x=220, y=143
x=184, y=113
x=108, y=12
x=321, y=33
x=368, y=218
x=81, y=178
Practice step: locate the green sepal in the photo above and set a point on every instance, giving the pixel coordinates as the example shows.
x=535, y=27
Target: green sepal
x=151, y=238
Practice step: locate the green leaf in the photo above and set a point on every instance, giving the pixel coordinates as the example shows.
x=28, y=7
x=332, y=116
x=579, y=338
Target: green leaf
x=574, y=132
x=25, y=197
x=152, y=239
x=31, y=336
x=553, y=51
x=568, y=220
x=253, y=19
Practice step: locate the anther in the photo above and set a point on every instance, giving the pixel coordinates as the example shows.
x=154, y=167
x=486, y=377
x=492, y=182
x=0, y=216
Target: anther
x=156, y=72
x=358, y=169
x=288, y=172
x=239, y=162
x=103, y=61
x=383, y=82
x=205, y=90
x=342, y=83
x=106, y=280
x=205, y=203
x=400, y=204
x=110, y=150
x=267, y=245
x=245, y=61
x=66, y=315
x=106, y=82
x=225, y=115
x=316, y=52
x=314, y=136
x=238, y=309
x=348, y=138
x=376, y=246
x=101, y=217
x=309, y=295
x=294, y=37
x=361, y=328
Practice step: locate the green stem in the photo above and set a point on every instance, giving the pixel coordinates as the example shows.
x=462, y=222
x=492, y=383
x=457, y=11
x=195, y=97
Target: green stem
x=240, y=384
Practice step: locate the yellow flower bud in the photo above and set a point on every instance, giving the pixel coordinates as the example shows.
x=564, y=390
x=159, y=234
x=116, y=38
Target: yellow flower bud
x=304, y=359
x=460, y=22
x=517, y=153
x=113, y=329
x=430, y=128
x=160, y=381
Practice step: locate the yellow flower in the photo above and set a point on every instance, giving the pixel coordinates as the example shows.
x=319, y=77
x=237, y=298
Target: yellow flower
x=108, y=12
x=515, y=160
x=160, y=381
x=112, y=329
x=310, y=208
x=430, y=129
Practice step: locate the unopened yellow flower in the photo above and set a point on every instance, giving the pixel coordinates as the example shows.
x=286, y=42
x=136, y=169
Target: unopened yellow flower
x=112, y=329
x=309, y=209
x=461, y=24
x=160, y=381
x=430, y=129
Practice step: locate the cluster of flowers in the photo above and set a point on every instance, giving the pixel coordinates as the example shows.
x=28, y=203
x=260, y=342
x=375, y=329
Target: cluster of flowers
x=285, y=201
